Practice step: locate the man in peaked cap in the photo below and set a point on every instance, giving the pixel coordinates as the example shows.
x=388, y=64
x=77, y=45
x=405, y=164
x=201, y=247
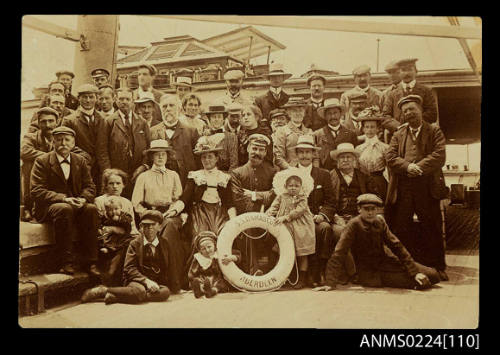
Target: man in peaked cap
x=362, y=77
x=232, y=123
x=408, y=86
x=275, y=97
x=358, y=102
x=381, y=259
x=416, y=155
x=234, y=81
x=63, y=192
x=89, y=127
x=252, y=191
x=316, y=83
x=392, y=69
x=145, y=269
x=100, y=77
x=66, y=77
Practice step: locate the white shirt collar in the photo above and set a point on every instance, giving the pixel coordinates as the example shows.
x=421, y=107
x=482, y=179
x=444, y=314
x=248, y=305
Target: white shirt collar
x=316, y=101
x=418, y=130
x=372, y=140
x=155, y=242
x=204, y=261
x=60, y=158
x=160, y=169
x=364, y=90
x=336, y=128
x=411, y=84
x=275, y=91
x=233, y=96
x=87, y=112
x=305, y=168
x=122, y=115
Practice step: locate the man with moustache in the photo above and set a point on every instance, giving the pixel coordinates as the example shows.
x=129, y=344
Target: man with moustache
x=408, y=86
x=56, y=88
x=146, y=106
x=106, y=100
x=275, y=97
x=392, y=70
x=362, y=79
x=66, y=77
x=416, y=156
x=252, y=191
x=232, y=123
x=234, y=81
x=89, y=128
x=334, y=133
x=317, y=84
x=55, y=102
x=145, y=76
x=63, y=192
x=127, y=136
x=181, y=137
x=358, y=102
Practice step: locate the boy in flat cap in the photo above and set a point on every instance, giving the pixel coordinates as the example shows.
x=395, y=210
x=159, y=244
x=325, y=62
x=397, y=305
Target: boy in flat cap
x=100, y=77
x=63, y=192
x=66, y=77
x=89, y=128
x=234, y=81
x=381, y=259
x=316, y=83
x=408, y=86
x=362, y=77
x=145, y=271
x=416, y=155
x=275, y=97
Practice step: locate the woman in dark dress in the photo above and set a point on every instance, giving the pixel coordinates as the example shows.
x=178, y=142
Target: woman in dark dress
x=250, y=124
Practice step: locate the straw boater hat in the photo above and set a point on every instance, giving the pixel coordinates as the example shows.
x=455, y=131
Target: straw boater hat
x=295, y=101
x=306, y=141
x=205, y=145
x=330, y=103
x=281, y=177
x=216, y=109
x=145, y=97
x=276, y=69
x=369, y=114
x=235, y=107
x=159, y=145
x=344, y=148
x=183, y=81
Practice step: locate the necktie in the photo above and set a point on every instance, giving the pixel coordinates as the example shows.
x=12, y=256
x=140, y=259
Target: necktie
x=408, y=89
x=414, y=133
x=148, y=251
x=335, y=132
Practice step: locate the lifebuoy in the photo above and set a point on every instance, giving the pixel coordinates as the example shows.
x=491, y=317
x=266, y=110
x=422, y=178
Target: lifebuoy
x=278, y=275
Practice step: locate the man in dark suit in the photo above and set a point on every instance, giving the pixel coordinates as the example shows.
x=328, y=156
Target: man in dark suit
x=146, y=268
x=311, y=118
x=322, y=205
x=275, y=97
x=63, y=192
x=362, y=77
x=66, y=77
x=181, y=137
x=331, y=135
x=408, y=86
x=392, y=70
x=127, y=137
x=145, y=77
x=89, y=127
x=416, y=156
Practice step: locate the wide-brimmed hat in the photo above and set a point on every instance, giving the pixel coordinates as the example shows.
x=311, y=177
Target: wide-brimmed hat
x=371, y=113
x=145, y=97
x=330, y=103
x=410, y=98
x=206, y=145
x=344, y=148
x=276, y=69
x=315, y=77
x=282, y=176
x=295, y=101
x=159, y=145
x=183, y=81
x=216, y=109
x=306, y=141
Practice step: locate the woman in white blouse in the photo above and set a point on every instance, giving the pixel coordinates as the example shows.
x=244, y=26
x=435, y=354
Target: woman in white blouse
x=372, y=160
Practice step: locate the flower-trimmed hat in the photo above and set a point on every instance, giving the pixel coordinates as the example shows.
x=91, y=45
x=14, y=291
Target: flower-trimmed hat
x=330, y=103
x=282, y=176
x=371, y=113
x=344, y=148
x=206, y=145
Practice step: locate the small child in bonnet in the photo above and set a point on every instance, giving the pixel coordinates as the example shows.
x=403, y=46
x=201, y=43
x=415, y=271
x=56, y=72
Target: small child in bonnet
x=204, y=274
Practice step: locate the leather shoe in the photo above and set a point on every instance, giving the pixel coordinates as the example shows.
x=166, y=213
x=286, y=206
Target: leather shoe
x=67, y=269
x=443, y=275
x=94, y=270
x=26, y=216
x=94, y=293
x=110, y=298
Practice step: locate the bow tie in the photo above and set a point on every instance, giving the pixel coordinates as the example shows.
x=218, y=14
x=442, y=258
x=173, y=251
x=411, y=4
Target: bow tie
x=214, y=131
x=172, y=128
x=64, y=161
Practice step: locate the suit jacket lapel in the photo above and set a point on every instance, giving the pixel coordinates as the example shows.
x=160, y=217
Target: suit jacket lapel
x=329, y=136
x=56, y=167
x=74, y=172
x=177, y=131
x=119, y=123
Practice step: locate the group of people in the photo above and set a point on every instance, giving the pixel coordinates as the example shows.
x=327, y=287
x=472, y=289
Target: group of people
x=346, y=177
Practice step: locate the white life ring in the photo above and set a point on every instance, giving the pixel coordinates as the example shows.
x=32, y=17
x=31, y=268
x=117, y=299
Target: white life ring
x=278, y=275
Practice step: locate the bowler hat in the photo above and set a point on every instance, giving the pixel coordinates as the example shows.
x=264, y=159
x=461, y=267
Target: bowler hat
x=47, y=110
x=159, y=145
x=151, y=216
x=63, y=72
x=276, y=69
x=145, y=97
x=63, y=130
x=99, y=72
x=410, y=98
x=205, y=145
x=330, y=103
x=306, y=141
x=365, y=199
x=151, y=68
x=362, y=69
x=259, y=140
x=343, y=148
x=87, y=88
x=316, y=77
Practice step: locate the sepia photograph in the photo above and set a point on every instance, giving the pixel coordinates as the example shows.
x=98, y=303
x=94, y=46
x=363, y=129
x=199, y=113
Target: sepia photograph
x=236, y=171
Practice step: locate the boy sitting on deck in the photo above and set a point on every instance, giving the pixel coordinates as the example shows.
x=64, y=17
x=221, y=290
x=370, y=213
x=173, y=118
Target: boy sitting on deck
x=381, y=259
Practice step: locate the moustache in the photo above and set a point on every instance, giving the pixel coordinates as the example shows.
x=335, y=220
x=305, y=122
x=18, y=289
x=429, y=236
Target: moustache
x=256, y=156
